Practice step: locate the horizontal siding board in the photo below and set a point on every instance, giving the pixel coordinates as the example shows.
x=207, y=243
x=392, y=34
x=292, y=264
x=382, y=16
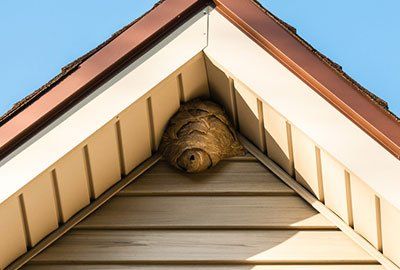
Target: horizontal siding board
x=246, y=157
x=163, y=179
x=223, y=168
x=204, y=246
x=204, y=267
x=206, y=212
x=236, y=185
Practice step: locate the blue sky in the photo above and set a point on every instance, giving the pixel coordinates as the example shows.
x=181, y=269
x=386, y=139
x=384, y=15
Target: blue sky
x=39, y=37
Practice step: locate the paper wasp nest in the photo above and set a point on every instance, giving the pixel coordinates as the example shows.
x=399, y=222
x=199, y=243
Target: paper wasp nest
x=199, y=135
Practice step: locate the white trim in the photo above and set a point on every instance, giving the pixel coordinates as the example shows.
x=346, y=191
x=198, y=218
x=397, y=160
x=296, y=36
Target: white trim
x=244, y=60
x=52, y=143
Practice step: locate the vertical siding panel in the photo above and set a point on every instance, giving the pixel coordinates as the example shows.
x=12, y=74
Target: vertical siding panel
x=12, y=242
x=261, y=128
x=277, y=139
x=248, y=114
x=390, y=231
x=334, y=179
x=349, y=199
x=378, y=222
x=165, y=103
x=103, y=156
x=135, y=135
x=220, y=91
x=194, y=79
x=305, y=162
x=73, y=183
x=364, y=210
x=40, y=206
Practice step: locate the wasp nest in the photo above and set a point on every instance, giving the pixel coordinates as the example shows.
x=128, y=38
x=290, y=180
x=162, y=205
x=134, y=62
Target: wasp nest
x=199, y=135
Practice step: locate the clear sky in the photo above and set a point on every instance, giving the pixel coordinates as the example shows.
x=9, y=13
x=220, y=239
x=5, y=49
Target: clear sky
x=39, y=37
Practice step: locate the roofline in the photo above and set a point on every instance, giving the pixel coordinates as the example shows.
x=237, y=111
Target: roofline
x=292, y=52
x=82, y=78
x=278, y=39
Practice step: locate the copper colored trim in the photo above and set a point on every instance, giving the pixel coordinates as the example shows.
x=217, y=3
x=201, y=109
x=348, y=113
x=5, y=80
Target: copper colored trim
x=274, y=38
x=129, y=44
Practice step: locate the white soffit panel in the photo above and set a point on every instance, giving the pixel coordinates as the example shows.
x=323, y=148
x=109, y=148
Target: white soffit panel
x=100, y=107
x=244, y=60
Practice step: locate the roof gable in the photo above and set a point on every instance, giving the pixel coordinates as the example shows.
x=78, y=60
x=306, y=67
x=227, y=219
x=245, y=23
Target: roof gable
x=134, y=84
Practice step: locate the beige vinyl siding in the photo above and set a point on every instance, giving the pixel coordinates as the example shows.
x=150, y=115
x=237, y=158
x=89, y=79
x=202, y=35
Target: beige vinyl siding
x=170, y=222
x=134, y=128
x=222, y=90
x=72, y=181
x=278, y=138
x=365, y=211
x=336, y=187
x=390, y=231
x=40, y=207
x=194, y=79
x=248, y=115
x=165, y=102
x=306, y=163
x=103, y=159
x=12, y=231
x=206, y=267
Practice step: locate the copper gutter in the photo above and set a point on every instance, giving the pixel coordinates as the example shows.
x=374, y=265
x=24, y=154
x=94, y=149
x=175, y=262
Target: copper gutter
x=130, y=44
x=270, y=35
